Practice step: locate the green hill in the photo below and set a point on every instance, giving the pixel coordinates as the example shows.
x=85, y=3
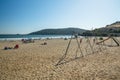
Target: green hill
x=62, y=31
x=112, y=29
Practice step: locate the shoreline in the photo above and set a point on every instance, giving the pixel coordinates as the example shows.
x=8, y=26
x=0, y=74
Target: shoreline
x=35, y=37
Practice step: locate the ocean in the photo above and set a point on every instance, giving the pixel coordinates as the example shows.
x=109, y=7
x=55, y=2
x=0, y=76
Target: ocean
x=19, y=37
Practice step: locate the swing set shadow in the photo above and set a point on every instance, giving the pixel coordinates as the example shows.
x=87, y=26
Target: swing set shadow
x=65, y=62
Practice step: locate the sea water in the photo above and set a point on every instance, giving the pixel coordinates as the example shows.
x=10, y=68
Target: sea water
x=19, y=37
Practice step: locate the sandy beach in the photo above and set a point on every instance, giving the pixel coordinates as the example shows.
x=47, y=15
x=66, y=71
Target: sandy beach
x=33, y=61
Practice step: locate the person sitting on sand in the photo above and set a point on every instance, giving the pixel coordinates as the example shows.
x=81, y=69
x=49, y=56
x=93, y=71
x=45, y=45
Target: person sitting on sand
x=16, y=46
x=45, y=43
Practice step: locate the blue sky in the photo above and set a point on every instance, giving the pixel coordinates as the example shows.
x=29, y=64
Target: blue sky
x=25, y=16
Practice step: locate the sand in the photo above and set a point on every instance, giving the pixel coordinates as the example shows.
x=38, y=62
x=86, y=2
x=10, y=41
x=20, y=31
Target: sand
x=33, y=61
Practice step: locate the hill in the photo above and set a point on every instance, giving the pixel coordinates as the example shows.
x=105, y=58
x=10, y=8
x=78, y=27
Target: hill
x=114, y=25
x=62, y=31
x=112, y=29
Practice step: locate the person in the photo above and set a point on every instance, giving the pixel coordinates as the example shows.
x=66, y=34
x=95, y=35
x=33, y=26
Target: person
x=45, y=43
x=94, y=40
x=76, y=35
x=6, y=48
x=16, y=46
x=81, y=40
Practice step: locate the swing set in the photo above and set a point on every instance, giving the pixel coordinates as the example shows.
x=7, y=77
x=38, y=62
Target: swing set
x=112, y=38
x=94, y=45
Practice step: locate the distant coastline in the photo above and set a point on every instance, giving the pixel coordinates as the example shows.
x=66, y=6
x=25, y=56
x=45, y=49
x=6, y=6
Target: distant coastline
x=109, y=30
x=42, y=34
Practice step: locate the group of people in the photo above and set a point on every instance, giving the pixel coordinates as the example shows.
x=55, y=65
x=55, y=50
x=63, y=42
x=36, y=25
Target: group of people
x=45, y=43
x=15, y=47
x=27, y=40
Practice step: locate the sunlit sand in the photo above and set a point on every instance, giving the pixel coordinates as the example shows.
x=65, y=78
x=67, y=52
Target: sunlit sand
x=35, y=61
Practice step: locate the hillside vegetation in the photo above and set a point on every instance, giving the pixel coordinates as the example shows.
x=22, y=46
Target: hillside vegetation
x=112, y=29
x=63, y=31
